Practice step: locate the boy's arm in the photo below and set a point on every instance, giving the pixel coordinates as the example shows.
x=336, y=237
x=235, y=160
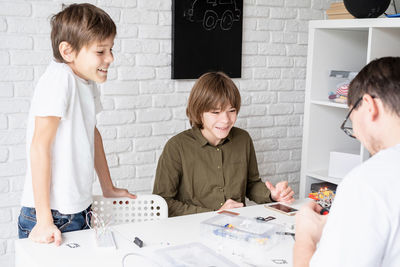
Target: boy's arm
x=256, y=189
x=100, y=164
x=40, y=156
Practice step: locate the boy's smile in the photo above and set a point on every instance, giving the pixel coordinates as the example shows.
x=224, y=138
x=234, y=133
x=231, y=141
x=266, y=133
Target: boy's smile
x=92, y=61
x=218, y=123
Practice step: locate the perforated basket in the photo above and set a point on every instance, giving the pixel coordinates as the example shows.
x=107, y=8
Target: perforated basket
x=126, y=210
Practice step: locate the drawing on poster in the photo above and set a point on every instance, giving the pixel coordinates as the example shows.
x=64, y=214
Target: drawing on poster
x=213, y=12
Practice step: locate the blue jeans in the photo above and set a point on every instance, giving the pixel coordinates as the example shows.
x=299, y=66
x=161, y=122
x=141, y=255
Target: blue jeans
x=64, y=222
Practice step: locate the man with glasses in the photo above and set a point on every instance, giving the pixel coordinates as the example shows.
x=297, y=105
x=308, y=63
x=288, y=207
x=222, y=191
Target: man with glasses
x=363, y=226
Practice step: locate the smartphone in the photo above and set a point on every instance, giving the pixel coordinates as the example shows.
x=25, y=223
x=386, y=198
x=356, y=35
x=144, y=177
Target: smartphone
x=282, y=209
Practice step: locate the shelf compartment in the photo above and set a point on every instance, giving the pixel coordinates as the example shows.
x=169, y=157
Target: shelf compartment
x=329, y=104
x=317, y=176
x=334, y=50
x=323, y=135
x=323, y=176
x=384, y=42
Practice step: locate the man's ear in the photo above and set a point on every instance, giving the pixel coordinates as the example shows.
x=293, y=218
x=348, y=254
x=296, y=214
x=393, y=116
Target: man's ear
x=66, y=51
x=372, y=106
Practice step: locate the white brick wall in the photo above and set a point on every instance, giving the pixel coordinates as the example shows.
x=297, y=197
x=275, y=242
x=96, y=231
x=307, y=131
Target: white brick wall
x=143, y=107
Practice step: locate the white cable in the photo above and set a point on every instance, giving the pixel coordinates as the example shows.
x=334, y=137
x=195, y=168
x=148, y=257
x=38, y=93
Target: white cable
x=148, y=259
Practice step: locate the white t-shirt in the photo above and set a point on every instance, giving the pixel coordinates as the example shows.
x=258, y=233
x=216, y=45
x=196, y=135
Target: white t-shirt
x=61, y=93
x=363, y=228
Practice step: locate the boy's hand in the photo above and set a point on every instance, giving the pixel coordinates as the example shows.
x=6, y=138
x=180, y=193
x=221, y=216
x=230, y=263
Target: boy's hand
x=118, y=192
x=46, y=233
x=281, y=192
x=231, y=204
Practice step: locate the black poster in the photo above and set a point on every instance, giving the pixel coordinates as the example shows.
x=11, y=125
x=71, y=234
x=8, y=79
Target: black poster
x=206, y=36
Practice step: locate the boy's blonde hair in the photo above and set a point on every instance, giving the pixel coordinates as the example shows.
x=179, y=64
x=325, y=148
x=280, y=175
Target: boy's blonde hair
x=213, y=90
x=79, y=25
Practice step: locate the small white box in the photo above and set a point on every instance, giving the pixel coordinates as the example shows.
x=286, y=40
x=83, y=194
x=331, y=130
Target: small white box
x=342, y=163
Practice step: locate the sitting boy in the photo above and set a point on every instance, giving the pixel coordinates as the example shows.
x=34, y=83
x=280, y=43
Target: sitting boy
x=213, y=165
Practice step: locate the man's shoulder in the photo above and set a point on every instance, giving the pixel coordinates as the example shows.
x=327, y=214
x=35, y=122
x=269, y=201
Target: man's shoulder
x=380, y=169
x=386, y=159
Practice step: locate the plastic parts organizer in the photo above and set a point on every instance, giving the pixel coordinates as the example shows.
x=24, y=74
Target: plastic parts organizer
x=241, y=236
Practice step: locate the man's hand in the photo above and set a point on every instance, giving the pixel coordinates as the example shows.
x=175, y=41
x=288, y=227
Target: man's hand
x=231, y=204
x=309, y=222
x=281, y=192
x=118, y=192
x=46, y=233
x=309, y=225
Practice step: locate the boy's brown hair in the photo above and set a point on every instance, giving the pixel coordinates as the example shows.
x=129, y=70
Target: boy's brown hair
x=381, y=79
x=79, y=25
x=213, y=90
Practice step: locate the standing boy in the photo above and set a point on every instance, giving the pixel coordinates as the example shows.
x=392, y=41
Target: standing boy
x=63, y=143
x=213, y=165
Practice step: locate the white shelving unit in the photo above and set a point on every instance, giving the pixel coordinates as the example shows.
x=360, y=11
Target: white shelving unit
x=337, y=45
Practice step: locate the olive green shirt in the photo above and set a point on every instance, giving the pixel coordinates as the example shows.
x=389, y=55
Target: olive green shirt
x=194, y=176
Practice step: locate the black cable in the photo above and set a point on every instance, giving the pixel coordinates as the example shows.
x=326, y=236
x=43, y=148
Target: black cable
x=394, y=5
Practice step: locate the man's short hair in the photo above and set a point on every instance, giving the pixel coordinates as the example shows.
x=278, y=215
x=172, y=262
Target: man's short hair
x=80, y=25
x=213, y=90
x=381, y=79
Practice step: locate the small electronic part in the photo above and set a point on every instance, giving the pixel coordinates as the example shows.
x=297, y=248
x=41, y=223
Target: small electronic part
x=285, y=233
x=105, y=239
x=138, y=242
x=266, y=219
x=279, y=261
x=324, y=197
x=72, y=245
x=228, y=225
x=324, y=211
x=269, y=218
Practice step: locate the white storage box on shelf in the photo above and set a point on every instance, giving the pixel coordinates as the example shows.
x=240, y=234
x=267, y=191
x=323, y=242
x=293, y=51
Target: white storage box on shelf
x=341, y=163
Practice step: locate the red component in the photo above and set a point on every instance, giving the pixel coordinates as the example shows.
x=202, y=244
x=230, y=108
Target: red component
x=324, y=211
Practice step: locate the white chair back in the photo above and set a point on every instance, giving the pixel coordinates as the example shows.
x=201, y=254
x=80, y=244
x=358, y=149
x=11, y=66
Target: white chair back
x=126, y=210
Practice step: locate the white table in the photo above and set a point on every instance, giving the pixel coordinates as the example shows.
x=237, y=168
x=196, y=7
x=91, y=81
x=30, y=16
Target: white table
x=154, y=234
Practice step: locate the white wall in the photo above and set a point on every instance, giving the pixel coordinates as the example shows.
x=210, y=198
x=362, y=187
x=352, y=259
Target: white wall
x=143, y=107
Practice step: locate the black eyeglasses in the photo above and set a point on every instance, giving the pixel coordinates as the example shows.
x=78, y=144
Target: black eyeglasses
x=346, y=129
x=349, y=130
